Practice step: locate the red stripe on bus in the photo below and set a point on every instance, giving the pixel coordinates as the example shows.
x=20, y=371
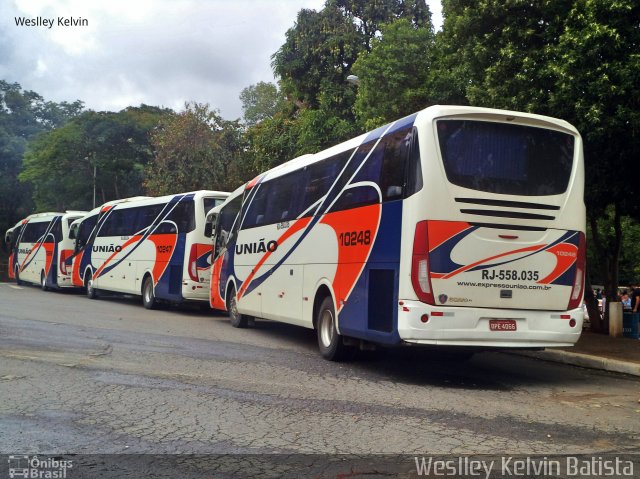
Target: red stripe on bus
x=441, y=231
x=356, y=230
x=297, y=226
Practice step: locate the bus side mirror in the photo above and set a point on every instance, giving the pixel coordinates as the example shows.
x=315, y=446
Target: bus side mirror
x=210, y=224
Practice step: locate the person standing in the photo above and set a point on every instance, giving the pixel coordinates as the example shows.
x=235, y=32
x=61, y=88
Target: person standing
x=625, y=299
x=635, y=299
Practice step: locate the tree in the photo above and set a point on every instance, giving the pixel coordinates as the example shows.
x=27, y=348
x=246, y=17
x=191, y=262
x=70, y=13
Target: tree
x=598, y=89
x=318, y=52
x=60, y=164
x=394, y=75
x=321, y=48
x=273, y=140
x=573, y=59
x=498, y=53
x=369, y=17
x=23, y=115
x=312, y=66
x=260, y=102
x=195, y=149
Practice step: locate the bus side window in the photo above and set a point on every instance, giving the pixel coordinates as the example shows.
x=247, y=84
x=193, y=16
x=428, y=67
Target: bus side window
x=120, y=223
x=355, y=197
x=127, y=224
x=394, y=164
x=34, y=232
x=183, y=215
x=256, y=213
x=85, y=229
x=284, y=203
x=56, y=231
x=148, y=214
x=227, y=219
x=319, y=178
x=413, y=178
x=386, y=165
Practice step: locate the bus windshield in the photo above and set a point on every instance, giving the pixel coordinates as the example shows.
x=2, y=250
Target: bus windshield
x=505, y=158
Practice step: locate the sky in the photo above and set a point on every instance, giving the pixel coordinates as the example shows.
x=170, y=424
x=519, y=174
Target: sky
x=157, y=52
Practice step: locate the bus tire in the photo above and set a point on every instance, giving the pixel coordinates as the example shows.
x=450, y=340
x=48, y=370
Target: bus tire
x=19, y=282
x=43, y=281
x=148, y=296
x=330, y=342
x=92, y=293
x=236, y=319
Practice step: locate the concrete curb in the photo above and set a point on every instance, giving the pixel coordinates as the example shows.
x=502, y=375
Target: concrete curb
x=585, y=361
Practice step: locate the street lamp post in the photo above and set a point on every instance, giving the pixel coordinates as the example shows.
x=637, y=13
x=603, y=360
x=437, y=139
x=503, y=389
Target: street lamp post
x=354, y=80
x=94, y=179
x=94, y=184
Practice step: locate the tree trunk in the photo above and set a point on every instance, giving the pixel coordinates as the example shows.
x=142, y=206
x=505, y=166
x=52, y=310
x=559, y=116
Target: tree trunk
x=115, y=187
x=595, y=319
x=610, y=256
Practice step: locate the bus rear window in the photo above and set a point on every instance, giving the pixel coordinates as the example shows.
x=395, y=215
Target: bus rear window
x=505, y=158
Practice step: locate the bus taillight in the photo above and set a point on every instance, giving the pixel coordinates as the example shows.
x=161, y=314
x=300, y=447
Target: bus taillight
x=420, y=265
x=578, y=281
x=193, y=263
x=64, y=254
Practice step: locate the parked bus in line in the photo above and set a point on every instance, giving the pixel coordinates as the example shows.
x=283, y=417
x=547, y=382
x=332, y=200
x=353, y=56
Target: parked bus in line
x=80, y=232
x=9, y=237
x=155, y=248
x=454, y=226
x=40, y=248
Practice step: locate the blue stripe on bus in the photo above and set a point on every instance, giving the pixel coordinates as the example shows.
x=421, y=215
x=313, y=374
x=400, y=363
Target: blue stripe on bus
x=385, y=254
x=169, y=285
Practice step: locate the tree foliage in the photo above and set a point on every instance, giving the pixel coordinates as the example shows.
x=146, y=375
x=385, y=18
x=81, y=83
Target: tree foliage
x=598, y=90
x=60, y=164
x=23, y=115
x=195, y=149
x=260, y=102
x=498, y=53
x=318, y=54
x=395, y=74
x=573, y=59
x=369, y=17
x=312, y=67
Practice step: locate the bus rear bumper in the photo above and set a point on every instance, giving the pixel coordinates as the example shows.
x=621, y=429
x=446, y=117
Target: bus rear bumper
x=195, y=291
x=482, y=327
x=65, y=282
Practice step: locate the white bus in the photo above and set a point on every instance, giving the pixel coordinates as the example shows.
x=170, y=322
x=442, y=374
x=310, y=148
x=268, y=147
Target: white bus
x=454, y=226
x=41, y=247
x=9, y=237
x=153, y=247
x=80, y=232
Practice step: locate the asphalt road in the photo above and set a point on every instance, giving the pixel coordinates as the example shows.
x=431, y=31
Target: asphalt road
x=108, y=376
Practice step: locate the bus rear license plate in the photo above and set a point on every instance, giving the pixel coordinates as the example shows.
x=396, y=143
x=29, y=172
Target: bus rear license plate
x=503, y=325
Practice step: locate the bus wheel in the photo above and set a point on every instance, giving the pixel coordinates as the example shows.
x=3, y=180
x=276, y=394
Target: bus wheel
x=148, y=297
x=43, y=281
x=92, y=293
x=331, y=345
x=237, y=320
x=19, y=282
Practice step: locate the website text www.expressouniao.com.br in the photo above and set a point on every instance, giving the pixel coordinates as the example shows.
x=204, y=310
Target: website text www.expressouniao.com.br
x=539, y=287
